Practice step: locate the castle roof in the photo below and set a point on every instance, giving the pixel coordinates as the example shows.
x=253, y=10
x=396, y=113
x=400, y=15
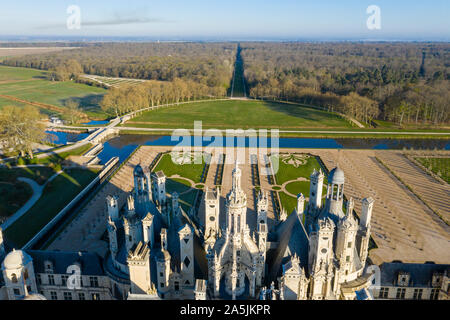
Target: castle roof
x=421, y=273
x=336, y=176
x=292, y=239
x=16, y=259
x=90, y=263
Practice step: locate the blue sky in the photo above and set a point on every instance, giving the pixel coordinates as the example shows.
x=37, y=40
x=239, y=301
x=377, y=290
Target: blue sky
x=231, y=19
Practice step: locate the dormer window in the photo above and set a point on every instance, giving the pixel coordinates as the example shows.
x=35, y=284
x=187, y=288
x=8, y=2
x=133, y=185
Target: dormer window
x=48, y=265
x=403, y=279
x=437, y=279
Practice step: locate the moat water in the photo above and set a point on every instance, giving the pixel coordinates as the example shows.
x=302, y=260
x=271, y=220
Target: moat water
x=122, y=146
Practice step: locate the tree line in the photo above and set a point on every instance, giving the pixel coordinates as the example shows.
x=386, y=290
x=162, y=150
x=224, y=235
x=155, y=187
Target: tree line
x=209, y=64
x=124, y=99
x=401, y=82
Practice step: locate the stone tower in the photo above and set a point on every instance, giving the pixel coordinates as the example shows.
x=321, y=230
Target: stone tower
x=186, y=237
x=345, y=243
x=132, y=225
x=212, y=211
x=335, y=193
x=364, y=228
x=160, y=187
x=320, y=258
x=315, y=189
x=112, y=235
x=18, y=274
x=139, y=268
x=113, y=207
x=236, y=206
x=148, y=230
x=142, y=184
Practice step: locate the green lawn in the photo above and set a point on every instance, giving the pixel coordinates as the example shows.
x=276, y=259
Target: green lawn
x=13, y=196
x=14, y=193
x=291, y=167
x=57, y=194
x=189, y=170
x=31, y=85
x=239, y=114
x=287, y=166
x=439, y=166
x=16, y=74
x=182, y=187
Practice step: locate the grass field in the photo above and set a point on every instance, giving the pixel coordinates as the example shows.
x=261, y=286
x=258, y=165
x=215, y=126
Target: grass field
x=290, y=168
x=190, y=171
x=439, y=166
x=31, y=85
x=238, y=114
x=57, y=194
x=14, y=193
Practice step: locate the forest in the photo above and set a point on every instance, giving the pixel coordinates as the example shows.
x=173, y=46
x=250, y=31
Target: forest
x=399, y=82
x=208, y=64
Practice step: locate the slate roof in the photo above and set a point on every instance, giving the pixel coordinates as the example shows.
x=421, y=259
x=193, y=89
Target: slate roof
x=421, y=274
x=90, y=262
x=292, y=238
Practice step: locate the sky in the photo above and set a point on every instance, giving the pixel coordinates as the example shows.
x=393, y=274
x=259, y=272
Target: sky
x=229, y=20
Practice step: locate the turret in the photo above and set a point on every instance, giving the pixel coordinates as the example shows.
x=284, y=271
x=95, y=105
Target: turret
x=236, y=205
x=315, y=189
x=148, y=230
x=346, y=239
x=160, y=187
x=335, y=192
x=300, y=208
x=112, y=235
x=113, y=207
x=366, y=212
x=186, y=238
x=364, y=228
x=138, y=261
x=212, y=211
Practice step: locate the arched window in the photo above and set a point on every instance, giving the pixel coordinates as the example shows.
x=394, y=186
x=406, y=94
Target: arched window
x=25, y=274
x=14, y=278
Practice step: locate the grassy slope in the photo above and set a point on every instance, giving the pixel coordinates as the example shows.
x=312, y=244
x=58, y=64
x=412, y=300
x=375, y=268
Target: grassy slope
x=239, y=114
x=57, y=194
x=31, y=85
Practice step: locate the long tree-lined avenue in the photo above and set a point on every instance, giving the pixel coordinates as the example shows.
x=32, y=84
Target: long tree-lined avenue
x=238, y=89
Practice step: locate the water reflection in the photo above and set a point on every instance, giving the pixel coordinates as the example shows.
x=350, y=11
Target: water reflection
x=62, y=138
x=96, y=122
x=123, y=146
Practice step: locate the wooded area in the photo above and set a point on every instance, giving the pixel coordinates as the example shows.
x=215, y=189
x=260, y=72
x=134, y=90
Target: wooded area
x=207, y=64
x=400, y=82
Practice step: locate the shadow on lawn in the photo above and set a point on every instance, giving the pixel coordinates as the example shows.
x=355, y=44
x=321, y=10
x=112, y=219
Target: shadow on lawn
x=303, y=112
x=86, y=102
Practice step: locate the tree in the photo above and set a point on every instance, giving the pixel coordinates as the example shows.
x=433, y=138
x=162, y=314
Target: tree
x=20, y=129
x=73, y=110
